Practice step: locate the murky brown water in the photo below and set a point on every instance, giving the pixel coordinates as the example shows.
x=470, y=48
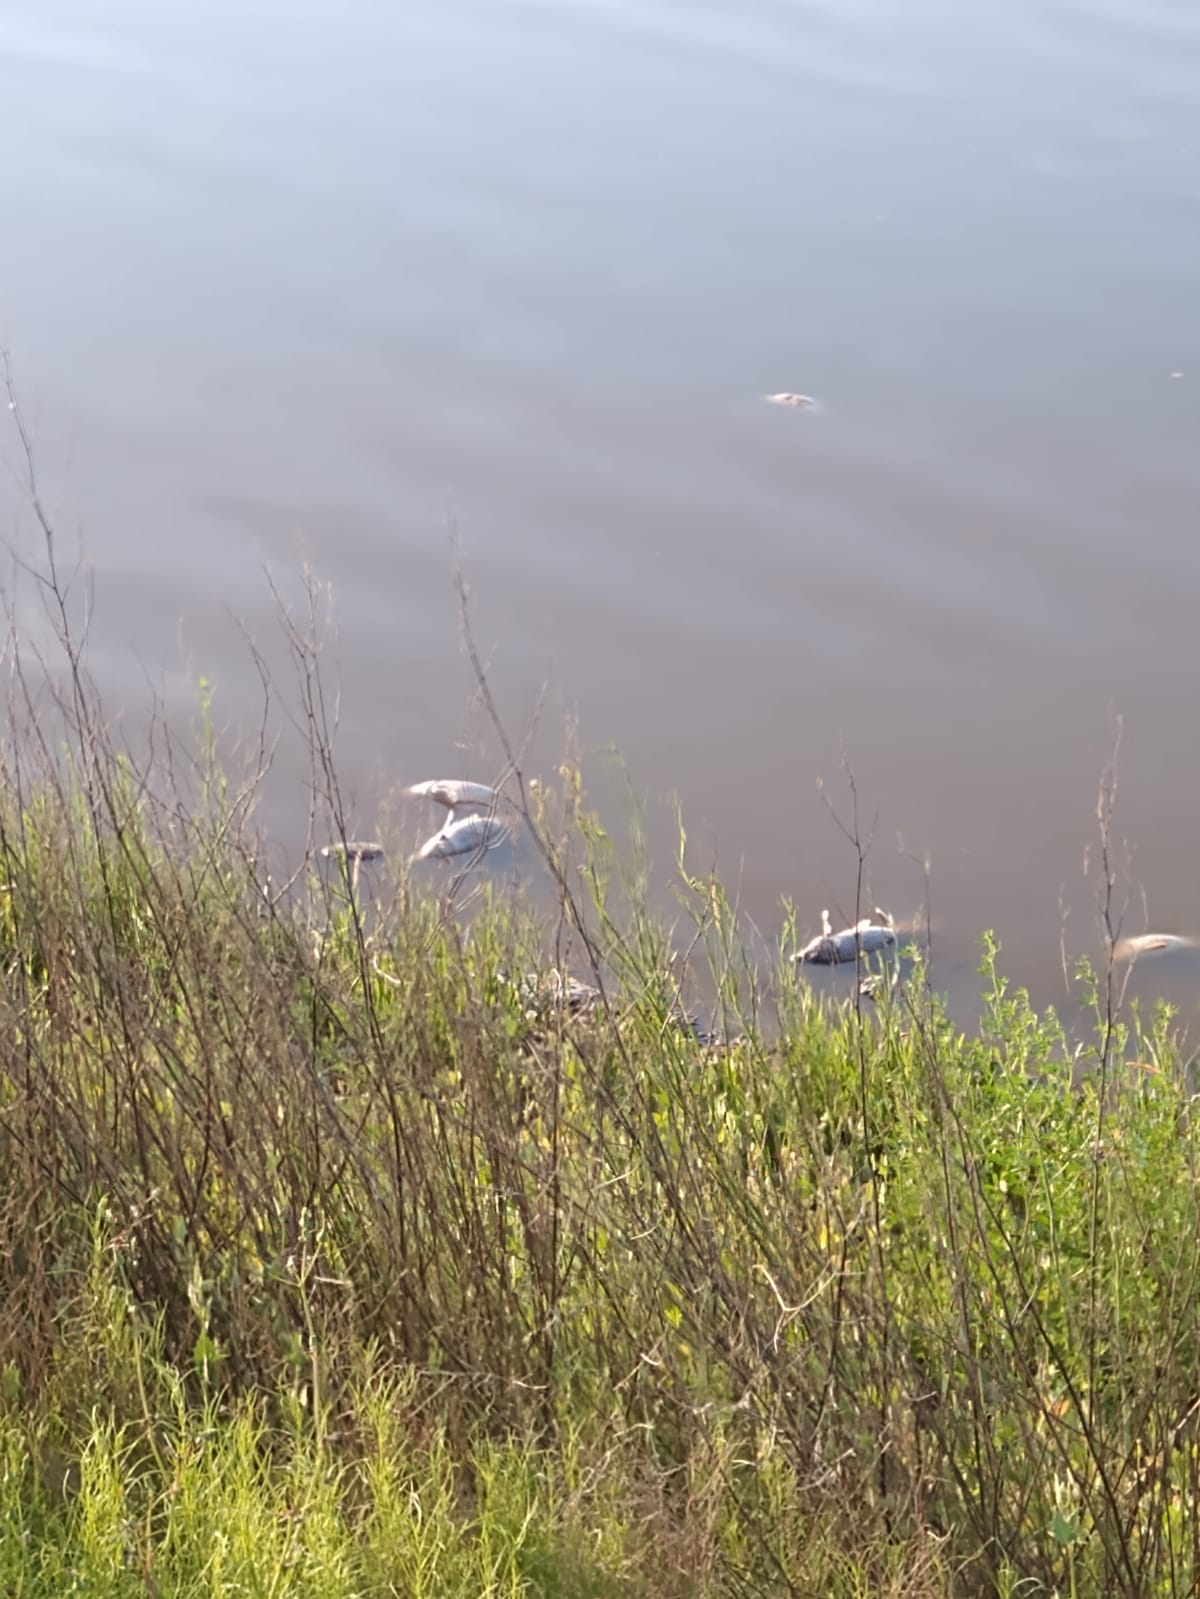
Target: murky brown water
x=289, y=280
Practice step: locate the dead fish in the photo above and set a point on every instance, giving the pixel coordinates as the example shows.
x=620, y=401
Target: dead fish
x=1150, y=944
x=689, y=1022
x=805, y=402
x=455, y=793
x=541, y=991
x=353, y=850
x=468, y=835
x=865, y=938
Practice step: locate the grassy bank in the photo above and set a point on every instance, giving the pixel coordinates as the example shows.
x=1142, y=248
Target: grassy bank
x=338, y=1257
x=335, y=1260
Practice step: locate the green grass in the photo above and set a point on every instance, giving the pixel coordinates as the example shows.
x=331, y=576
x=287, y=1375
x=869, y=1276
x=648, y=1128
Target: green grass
x=218, y=1501
x=331, y=1265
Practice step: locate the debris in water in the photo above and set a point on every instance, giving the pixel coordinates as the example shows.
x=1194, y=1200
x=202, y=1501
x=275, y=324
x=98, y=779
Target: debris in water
x=804, y=402
x=866, y=938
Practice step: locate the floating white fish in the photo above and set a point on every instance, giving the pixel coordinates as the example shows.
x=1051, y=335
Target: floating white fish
x=468, y=835
x=866, y=938
x=803, y=401
x=353, y=850
x=455, y=793
x=1151, y=944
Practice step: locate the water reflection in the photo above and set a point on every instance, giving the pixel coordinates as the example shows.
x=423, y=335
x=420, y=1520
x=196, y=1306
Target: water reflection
x=285, y=291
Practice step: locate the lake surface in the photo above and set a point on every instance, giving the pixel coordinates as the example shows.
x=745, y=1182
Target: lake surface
x=299, y=282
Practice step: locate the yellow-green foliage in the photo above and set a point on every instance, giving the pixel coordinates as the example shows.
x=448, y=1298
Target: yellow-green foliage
x=336, y=1257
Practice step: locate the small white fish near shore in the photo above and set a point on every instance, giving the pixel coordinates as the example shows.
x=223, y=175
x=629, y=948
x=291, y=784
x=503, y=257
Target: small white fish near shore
x=360, y=852
x=352, y=854
x=864, y=938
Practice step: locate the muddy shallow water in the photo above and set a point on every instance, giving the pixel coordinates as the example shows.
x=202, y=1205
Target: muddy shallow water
x=285, y=284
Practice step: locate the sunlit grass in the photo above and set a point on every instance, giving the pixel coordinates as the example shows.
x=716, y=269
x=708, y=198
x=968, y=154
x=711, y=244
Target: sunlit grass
x=335, y=1264
x=337, y=1258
